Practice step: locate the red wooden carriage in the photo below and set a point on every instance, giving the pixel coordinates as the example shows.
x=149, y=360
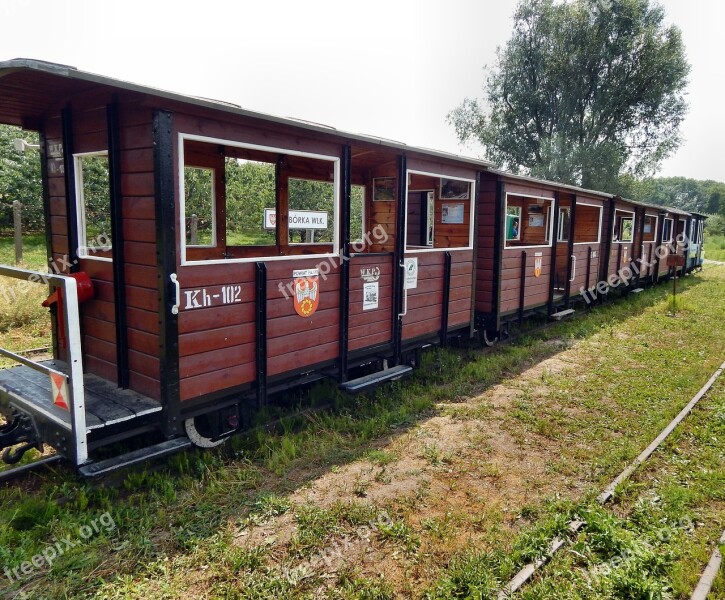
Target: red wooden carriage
x=233, y=255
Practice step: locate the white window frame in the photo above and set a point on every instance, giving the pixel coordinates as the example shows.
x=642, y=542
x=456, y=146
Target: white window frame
x=426, y=191
x=430, y=233
x=672, y=227
x=471, y=207
x=657, y=224
x=335, y=160
x=634, y=224
x=549, y=223
x=599, y=226
x=81, y=207
x=213, y=208
x=562, y=210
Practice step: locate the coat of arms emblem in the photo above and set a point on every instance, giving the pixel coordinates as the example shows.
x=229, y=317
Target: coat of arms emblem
x=537, y=266
x=306, y=291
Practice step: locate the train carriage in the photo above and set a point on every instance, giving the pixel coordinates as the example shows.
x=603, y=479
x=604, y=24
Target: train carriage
x=673, y=243
x=622, y=246
x=647, y=241
x=225, y=255
x=538, y=248
x=696, y=236
x=203, y=258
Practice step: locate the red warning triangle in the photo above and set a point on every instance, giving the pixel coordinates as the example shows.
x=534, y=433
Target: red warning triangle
x=59, y=389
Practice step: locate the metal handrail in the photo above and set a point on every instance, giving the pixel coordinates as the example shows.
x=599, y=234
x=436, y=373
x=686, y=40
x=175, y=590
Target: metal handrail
x=74, y=377
x=29, y=363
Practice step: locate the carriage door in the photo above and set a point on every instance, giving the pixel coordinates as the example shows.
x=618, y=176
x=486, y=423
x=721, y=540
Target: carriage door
x=437, y=257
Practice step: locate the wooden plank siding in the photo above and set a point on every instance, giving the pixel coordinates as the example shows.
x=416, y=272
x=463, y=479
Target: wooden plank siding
x=424, y=302
x=485, y=240
x=579, y=281
x=373, y=326
x=295, y=342
x=138, y=209
x=536, y=288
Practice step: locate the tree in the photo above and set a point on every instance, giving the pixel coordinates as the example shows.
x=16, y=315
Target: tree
x=583, y=91
x=715, y=203
x=679, y=192
x=20, y=180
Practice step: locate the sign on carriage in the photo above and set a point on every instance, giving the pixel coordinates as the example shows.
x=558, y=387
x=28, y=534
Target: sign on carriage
x=370, y=295
x=298, y=219
x=538, y=258
x=370, y=274
x=411, y=273
x=218, y=295
x=306, y=291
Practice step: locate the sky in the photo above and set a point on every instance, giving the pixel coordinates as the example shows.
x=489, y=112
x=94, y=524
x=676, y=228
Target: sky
x=390, y=68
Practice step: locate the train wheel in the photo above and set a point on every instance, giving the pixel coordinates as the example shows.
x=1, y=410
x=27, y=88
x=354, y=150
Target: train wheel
x=489, y=338
x=197, y=430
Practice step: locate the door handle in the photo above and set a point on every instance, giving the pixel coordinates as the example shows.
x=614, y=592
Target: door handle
x=177, y=285
x=405, y=292
x=573, y=267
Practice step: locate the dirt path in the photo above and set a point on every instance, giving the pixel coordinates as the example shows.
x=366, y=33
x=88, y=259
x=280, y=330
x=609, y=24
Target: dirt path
x=469, y=463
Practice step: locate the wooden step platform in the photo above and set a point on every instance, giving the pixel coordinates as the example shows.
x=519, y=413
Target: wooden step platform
x=355, y=386
x=103, y=467
x=558, y=316
x=105, y=403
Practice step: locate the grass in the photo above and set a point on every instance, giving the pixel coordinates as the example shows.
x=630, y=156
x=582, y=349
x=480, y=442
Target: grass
x=715, y=247
x=655, y=541
x=24, y=323
x=425, y=488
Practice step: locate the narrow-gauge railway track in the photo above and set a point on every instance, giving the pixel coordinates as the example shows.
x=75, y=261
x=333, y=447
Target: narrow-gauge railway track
x=527, y=572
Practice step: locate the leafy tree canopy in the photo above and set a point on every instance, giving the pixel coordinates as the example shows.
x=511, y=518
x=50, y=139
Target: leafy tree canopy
x=583, y=91
x=680, y=192
x=20, y=180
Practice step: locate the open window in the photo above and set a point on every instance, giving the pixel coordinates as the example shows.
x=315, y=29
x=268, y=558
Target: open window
x=667, y=231
x=588, y=226
x=528, y=221
x=623, y=226
x=310, y=205
x=93, y=205
x=693, y=231
x=438, y=212
x=200, y=206
x=649, y=228
x=681, y=224
x=242, y=202
x=357, y=213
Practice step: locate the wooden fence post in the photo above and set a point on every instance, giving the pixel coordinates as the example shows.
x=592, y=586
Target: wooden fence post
x=17, y=222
